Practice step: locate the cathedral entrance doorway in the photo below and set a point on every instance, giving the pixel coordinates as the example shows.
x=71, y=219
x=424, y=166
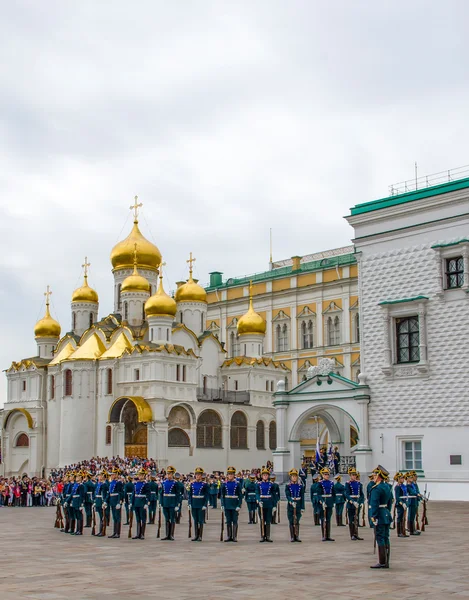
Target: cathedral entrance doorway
x=133, y=413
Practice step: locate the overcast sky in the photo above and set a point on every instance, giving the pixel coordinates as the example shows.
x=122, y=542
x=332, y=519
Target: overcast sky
x=225, y=117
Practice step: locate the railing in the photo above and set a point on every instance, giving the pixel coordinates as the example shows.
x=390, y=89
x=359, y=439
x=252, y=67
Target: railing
x=418, y=183
x=221, y=395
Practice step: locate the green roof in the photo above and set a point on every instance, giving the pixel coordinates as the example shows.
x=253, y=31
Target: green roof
x=414, y=299
x=341, y=260
x=435, y=190
x=456, y=243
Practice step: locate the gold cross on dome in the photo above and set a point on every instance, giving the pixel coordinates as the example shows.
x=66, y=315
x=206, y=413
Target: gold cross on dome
x=163, y=264
x=135, y=208
x=190, y=261
x=47, y=294
x=85, y=266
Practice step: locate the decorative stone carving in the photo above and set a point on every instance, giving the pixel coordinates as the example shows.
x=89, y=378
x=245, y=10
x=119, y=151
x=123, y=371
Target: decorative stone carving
x=325, y=366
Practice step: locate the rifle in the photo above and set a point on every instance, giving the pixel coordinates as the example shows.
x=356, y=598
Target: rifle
x=363, y=515
x=159, y=522
x=393, y=526
x=324, y=523
x=57, y=516
x=222, y=524
x=131, y=520
x=295, y=519
x=262, y=522
x=104, y=521
x=93, y=531
x=278, y=512
x=190, y=521
x=374, y=538
x=61, y=517
x=355, y=519
x=417, y=526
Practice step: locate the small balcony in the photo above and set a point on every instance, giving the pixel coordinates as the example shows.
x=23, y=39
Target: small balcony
x=223, y=396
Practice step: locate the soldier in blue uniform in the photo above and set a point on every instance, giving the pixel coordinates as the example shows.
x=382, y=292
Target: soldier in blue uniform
x=213, y=491
x=250, y=488
x=295, y=494
x=314, y=500
x=412, y=503
x=302, y=474
x=89, y=491
x=153, y=503
x=419, y=496
x=116, y=498
x=128, y=491
x=326, y=497
x=355, y=498
x=231, y=498
x=170, y=491
x=181, y=491
x=139, y=503
x=276, y=497
x=381, y=503
x=400, y=495
x=197, y=501
x=101, y=498
x=65, y=493
x=265, y=501
x=75, y=502
x=339, y=489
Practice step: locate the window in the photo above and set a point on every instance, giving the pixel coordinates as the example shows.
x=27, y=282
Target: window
x=126, y=310
x=119, y=301
x=108, y=434
x=204, y=384
x=179, y=417
x=209, y=430
x=24, y=385
x=239, y=431
x=282, y=337
x=454, y=272
x=109, y=381
x=236, y=385
x=178, y=438
x=202, y=322
x=307, y=332
x=234, y=344
x=273, y=435
x=356, y=328
x=178, y=372
x=91, y=319
x=407, y=339
x=68, y=383
x=181, y=318
x=260, y=435
x=333, y=331
x=266, y=386
x=137, y=375
x=52, y=387
x=455, y=459
x=413, y=455
x=74, y=321
x=184, y=372
x=22, y=441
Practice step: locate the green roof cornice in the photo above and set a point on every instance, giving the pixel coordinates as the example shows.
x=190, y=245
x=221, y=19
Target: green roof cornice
x=402, y=300
x=461, y=241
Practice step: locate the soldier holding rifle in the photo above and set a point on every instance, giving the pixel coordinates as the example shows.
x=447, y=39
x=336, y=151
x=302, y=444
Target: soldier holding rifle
x=101, y=498
x=355, y=498
x=231, y=497
x=295, y=494
x=116, y=497
x=401, y=497
x=381, y=503
x=326, y=496
x=170, y=491
x=139, y=503
x=197, y=502
x=265, y=501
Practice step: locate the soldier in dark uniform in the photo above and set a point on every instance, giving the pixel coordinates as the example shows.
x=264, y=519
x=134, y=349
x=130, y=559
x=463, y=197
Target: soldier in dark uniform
x=181, y=491
x=88, y=504
x=265, y=501
x=139, y=503
x=326, y=497
x=128, y=492
x=295, y=494
x=369, y=485
x=276, y=497
x=197, y=501
x=75, y=502
x=381, y=503
x=400, y=495
x=412, y=503
x=116, y=498
x=314, y=500
x=101, y=498
x=231, y=498
x=302, y=474
x=213, y=491
x=250, y=488
x=153, y=504
x=336, y=458
x=355, y=498
x=65, y=494
x=339, y=489
x=170, y=491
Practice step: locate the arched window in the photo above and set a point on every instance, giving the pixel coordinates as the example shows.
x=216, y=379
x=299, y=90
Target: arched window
x=126, y=310
x=209, y=430
x=333, y=331
x=91, y=319
x=239, y=431
x=234, y=344
x=68, y=383
x=282, y=337
x=179, y=417
x=74, y=321
x=22, y=441
x=108, y=434
x=108, y=381
x=52, y=387
x=273, y=435
x=178, y=438
x=119, y=301
x=204, y=384
x=307, y=333
x=356, y=329
x=260, y=435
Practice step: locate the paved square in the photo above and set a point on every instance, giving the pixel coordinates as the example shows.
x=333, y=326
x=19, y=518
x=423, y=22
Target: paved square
x=39, y=562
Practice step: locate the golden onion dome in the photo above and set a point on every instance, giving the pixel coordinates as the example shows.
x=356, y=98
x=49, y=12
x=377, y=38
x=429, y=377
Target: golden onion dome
x=85, y=293
x=135, y=282
x=160, y=304
x=47, y=327
x=251, y=322
x=191, y=292
x=148, y=257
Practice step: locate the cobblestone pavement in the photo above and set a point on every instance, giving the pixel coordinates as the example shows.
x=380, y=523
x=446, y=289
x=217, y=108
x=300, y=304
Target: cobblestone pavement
x=39, y=562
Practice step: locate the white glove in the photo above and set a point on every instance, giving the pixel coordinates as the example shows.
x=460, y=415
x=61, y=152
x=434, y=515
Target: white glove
x=65, y=504
x=355, y=504
x=274, y=510
x=177, y=509
x=104, y=505
x=261, y=504
x=302, y=510
x=130, y=506
x=204, y=508
x=94, y=504
x=118, y=507
x=222, y=508
x=238, y=509
x=290, y=502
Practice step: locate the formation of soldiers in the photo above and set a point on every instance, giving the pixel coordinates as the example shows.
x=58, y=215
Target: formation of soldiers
x=90, y=501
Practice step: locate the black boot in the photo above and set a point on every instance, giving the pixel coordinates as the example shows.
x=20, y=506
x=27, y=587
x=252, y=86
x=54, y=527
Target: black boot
x=267, y=533
x=100, y=534
x=114, y=531
x=356, y=534
x=234, y=537
x=88, y=521
x=353, y=537
x=337, y=520
x=79, y=530
x=328, y=532
x=381, y=564
x=292, y=533
x=171, y=531
x=142, y=530
x=196, y=533
x=297, y=533
x=229, y=533
x=323, y=530
x=263, y=536
x=388, y=555
x=166, y=537
x=316, y=519
x=139, y=529
x=201, y=530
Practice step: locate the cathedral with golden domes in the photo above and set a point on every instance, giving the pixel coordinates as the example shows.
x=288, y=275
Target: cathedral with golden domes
x=148, y=379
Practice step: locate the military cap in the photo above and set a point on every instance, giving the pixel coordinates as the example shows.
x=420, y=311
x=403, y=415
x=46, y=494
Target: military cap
x=325, y=471
x=231, y=470
x=252, y=475
x=398, y=475
x=177, y=475
x=338, y=478
x=292, y=472
x=265, y=470
x=273, y=477
x=199, y=470
x=352, y=471
x=381, y=471
x=170, y=469
x=142, y=471
x=316, y=477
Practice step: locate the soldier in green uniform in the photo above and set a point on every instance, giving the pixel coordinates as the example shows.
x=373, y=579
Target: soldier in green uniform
x=101, y=498
x=381, y=503
x=170, y=491
x=75, y=502
x=370, y=484
x=276, y=495
x=295, y=494
x=339, y=489
x=128, y=491
x=265, y=501
x=65, y=493
x=355, y=498
x=153, y=503
x=326, y=497
x=197, y=502
x=89, y=491
x=139, y=503
x=250, y=487
x=116, y=498
x=181, y=492
x=412, y=503
x=213, y=491
x=231, y=498
x=400, y=494
x=314, y=500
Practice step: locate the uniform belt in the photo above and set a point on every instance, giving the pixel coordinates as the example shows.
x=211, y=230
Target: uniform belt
x=326, y=495
x=98, y=496
x=339, y=494
x=76, y=496
x=314, y=494
x=409, y=496
x=140, y=495
x=168, y=494
x=113, y=494
x=251, y=493
x=357, y=496
x=198, y=496
x=296, y=498
x=383, y=505
x=89, y=493
x=266, y=496
x=233, y=497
